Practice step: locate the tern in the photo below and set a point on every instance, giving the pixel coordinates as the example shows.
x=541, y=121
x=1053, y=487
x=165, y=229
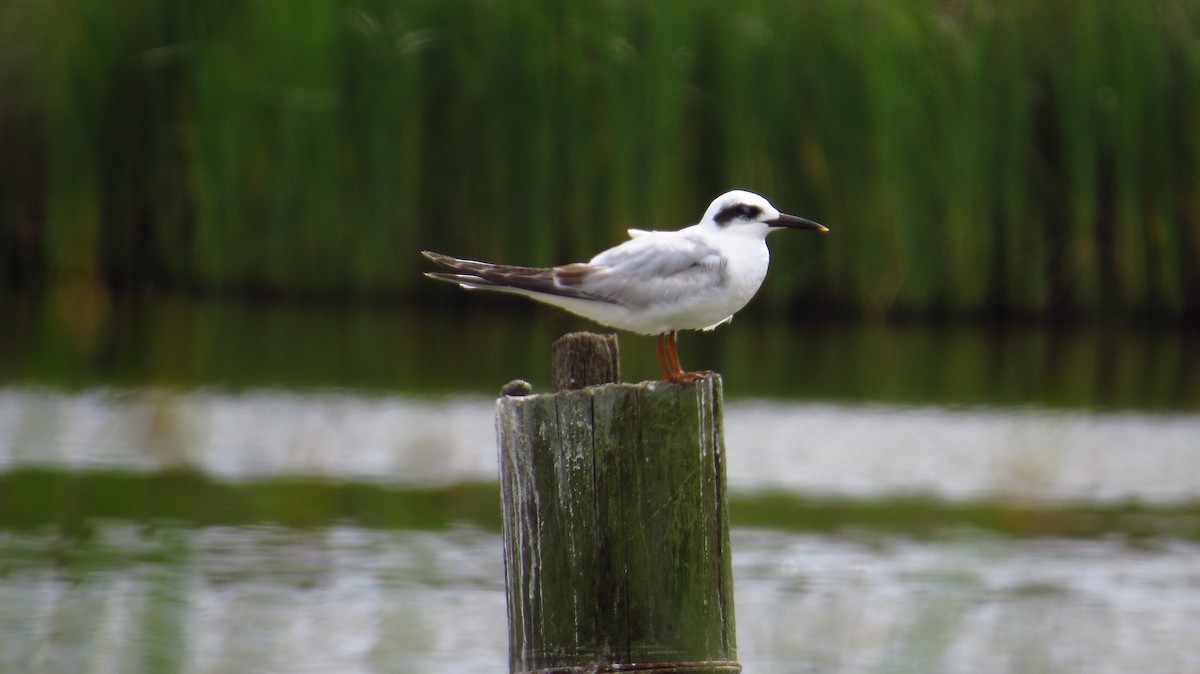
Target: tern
x=657, y=282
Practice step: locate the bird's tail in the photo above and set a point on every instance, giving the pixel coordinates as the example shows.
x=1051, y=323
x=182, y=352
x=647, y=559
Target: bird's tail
x=475, y=275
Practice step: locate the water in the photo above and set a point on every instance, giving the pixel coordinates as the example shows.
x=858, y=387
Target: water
x=967, y=604
x=252, y=599
x=210, y=487
x=263, y=598
x=851, y=450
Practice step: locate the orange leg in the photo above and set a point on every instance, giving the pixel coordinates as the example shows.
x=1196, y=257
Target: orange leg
x=674, y=370
x=673, y=351
x=668, y=372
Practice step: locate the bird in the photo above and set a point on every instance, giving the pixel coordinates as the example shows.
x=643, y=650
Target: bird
x=657, y=282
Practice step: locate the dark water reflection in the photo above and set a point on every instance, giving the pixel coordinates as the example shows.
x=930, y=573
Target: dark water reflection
x=472, y=345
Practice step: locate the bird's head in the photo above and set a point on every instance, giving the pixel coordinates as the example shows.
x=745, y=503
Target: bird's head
x=746, y=211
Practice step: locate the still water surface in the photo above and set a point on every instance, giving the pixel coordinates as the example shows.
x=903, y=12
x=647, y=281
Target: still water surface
x=226, y=488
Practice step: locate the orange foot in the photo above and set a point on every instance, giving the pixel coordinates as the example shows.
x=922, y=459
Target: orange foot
x=686, y=378
x=668, y=355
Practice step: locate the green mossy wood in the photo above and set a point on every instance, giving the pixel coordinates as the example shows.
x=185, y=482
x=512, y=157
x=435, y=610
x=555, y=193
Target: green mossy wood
x=616, y=537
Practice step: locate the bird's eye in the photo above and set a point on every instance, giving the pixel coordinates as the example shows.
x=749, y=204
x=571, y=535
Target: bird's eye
x=743, y=211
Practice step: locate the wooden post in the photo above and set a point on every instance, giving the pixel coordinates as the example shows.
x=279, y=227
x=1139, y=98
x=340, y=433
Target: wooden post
x=581, y=359
x=616, y=539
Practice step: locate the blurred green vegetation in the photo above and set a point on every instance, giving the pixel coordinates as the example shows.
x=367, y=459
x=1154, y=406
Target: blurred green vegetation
x=1030, y=157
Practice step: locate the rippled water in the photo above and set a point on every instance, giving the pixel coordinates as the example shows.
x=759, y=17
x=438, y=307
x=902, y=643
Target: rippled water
x=820, y=604
x=346, y=599
x=227, y=595
x=253, y=599
x=226, y=489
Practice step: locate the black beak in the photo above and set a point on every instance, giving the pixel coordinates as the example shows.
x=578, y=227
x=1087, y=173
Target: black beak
x=796, y=223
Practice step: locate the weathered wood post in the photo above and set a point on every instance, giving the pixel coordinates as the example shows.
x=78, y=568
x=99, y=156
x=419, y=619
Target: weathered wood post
x=616, y=540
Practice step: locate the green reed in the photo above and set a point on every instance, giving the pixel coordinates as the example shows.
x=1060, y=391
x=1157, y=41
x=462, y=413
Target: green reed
x=970, y=157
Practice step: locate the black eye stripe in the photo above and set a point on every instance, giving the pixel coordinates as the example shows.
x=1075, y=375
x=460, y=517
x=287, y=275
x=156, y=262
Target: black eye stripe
x=739, y=210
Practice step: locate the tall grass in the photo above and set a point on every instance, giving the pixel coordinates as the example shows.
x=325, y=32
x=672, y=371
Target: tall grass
x=970, y=157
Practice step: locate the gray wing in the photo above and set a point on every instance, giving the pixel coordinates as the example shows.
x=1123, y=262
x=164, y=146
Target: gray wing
x=651, y=268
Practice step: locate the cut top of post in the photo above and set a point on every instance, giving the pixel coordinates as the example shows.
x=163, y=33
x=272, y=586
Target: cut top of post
x=580, y=359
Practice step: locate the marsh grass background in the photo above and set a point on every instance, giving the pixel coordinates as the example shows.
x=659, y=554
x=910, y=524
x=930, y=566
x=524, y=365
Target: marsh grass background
x=1026, y=158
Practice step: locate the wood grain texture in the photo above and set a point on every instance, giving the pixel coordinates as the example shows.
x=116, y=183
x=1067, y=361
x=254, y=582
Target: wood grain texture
x=580, y=359
x=615, y=527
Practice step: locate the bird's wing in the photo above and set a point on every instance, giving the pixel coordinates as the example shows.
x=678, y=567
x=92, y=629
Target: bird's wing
x=652, y=268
